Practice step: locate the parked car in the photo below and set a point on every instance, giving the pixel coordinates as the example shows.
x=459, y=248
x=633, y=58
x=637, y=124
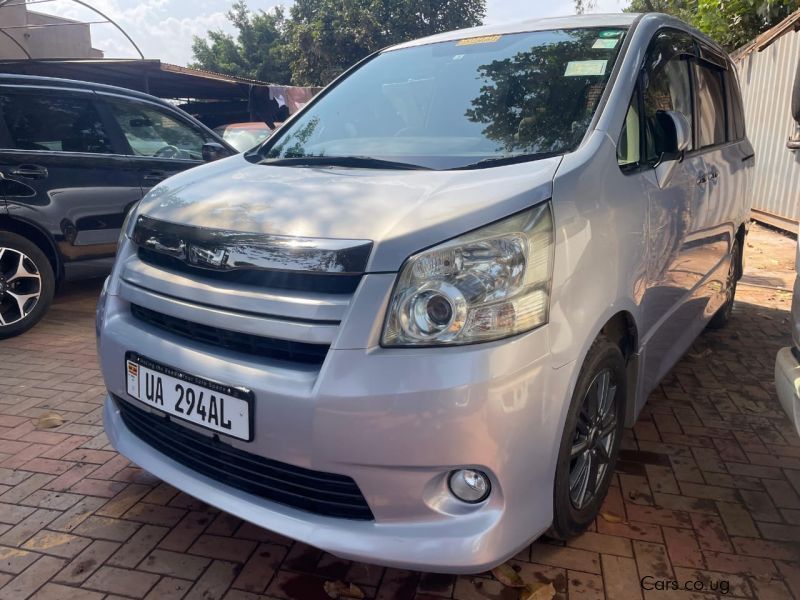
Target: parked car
x=410, y=327
x=244, y=136
x=74, y=157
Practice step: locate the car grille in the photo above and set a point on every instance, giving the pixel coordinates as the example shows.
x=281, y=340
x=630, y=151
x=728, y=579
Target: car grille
x=326, y=494
x=234, y=340
x=260, y=279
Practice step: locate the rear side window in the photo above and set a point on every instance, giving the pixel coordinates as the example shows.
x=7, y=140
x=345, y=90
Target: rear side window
x=154, y=132
x=735, y=109
x=711, y=126
x=667, y=86
x=61, y=123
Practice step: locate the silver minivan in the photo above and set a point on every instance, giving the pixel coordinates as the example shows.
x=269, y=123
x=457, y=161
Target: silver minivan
x=410, y=327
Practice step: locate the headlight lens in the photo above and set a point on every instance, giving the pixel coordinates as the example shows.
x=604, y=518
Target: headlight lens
x=488, y=284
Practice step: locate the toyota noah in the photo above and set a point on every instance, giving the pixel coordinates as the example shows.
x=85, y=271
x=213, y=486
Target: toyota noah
x=410, y=327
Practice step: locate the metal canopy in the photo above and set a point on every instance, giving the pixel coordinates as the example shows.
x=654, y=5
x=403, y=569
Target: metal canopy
x=145, y=75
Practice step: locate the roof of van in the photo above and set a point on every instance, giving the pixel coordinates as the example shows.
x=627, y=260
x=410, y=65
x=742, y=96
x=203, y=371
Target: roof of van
x=570, y=22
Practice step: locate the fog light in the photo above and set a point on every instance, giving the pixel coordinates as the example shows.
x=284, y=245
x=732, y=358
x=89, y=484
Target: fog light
x=469, y=486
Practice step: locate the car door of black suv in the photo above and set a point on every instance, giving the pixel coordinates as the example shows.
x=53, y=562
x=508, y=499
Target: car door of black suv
x=64, y=172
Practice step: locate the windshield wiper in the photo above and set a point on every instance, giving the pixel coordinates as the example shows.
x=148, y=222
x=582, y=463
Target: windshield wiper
x=498, y=161
x=356, y=162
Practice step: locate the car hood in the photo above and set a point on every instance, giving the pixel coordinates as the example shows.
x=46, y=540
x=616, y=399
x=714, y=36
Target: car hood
x=401, y=212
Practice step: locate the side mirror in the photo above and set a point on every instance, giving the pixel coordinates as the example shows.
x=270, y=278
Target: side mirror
x=214, y=151
x=673, y=141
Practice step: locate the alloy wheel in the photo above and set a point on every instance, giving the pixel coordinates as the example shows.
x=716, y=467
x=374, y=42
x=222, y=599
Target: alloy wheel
x=20, y=286
x=594, y=438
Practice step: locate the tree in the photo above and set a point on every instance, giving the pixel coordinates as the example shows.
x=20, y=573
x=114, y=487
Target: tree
x=259, y=50
x=321, y=38
x=327, y=36
x=732, y=23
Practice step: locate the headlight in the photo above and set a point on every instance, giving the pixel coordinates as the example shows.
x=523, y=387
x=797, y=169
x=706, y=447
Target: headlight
x=488, y=284
x=127, y=224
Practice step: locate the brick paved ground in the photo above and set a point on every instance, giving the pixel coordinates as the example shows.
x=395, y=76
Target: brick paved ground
x=708, y=487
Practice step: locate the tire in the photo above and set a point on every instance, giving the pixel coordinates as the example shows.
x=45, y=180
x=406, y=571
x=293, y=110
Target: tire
x=27, y=284
x=723, y=315
x=574, y=511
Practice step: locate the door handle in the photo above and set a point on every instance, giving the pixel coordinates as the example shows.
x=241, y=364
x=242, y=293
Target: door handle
x=702, y=179
x=713, y=176
x=154, y=176
x=29, y=172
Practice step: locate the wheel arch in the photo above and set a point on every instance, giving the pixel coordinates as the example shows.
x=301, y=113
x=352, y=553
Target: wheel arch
x=622, y=330
x=39, y=237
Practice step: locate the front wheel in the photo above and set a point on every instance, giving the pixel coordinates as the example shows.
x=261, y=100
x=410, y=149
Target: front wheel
x=591, y=439
x=27, y=284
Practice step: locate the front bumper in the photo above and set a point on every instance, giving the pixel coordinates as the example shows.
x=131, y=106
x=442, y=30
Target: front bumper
x=787, y=383
x=395, y=421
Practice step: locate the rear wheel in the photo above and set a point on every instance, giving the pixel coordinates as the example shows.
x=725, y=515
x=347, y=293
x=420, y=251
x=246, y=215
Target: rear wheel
x=591, y=438
x=723, y=315
x=27, y=284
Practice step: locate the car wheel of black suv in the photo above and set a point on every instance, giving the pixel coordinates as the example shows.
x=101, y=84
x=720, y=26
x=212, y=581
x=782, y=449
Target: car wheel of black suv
x=591, y=439
x=723, y=315
x=27, y=284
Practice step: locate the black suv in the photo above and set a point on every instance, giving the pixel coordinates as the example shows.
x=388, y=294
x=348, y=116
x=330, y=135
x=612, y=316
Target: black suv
x=74, y=158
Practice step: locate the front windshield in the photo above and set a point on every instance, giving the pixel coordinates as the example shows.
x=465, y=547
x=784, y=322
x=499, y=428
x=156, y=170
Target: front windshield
x=454, y=104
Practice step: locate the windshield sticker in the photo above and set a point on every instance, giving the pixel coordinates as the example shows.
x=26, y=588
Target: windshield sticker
x=484, y=39
x=583, y=68
x=610, y=34
x=605, y=43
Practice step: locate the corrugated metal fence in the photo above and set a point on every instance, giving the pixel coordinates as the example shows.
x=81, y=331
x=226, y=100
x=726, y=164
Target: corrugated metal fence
x=766, y=79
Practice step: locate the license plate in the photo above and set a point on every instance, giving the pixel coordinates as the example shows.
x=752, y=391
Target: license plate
x=218, y=407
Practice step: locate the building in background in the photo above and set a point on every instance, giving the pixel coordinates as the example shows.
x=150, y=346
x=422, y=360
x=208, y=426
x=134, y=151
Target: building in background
x=767, y=69
x=28, y=34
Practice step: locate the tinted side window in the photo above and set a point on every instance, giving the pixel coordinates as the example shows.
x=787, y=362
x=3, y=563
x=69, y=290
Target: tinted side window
x=154, y=132
x=667, y=86
x=64, y=124
x=711, y=127
x=735, y=110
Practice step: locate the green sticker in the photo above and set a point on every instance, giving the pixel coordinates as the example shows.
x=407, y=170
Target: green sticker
x=610, y=34
x=583, y=68
x=605, y=44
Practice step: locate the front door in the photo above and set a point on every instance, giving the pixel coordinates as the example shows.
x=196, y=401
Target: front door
x=669, y=314
x=62, y=170
x=162, y=142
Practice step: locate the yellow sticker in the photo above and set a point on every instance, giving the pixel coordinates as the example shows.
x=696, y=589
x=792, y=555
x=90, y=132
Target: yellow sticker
x=484, y=39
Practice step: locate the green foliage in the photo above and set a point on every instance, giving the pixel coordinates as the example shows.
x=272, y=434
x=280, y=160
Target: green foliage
x=259, y=50
x=321, y=38
x=732, y=23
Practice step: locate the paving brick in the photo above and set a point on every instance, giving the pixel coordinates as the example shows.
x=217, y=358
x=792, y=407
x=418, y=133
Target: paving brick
x=55, y=591
x=170, y=588
x=652, y=560
x=138, y=546
x=87, y=562
x=598, y=542
x=566, y=557
x=737, y=519
x=57, y=543
x=711, y=534
x=104, y=528
x=214, y=581
x=121, y=581
x=683, y=549
x=223, y=548
x=15, y=560
x=621, y=578
x=259, y=569
x=32, y=578
x=28, y=527
x=175, y=564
